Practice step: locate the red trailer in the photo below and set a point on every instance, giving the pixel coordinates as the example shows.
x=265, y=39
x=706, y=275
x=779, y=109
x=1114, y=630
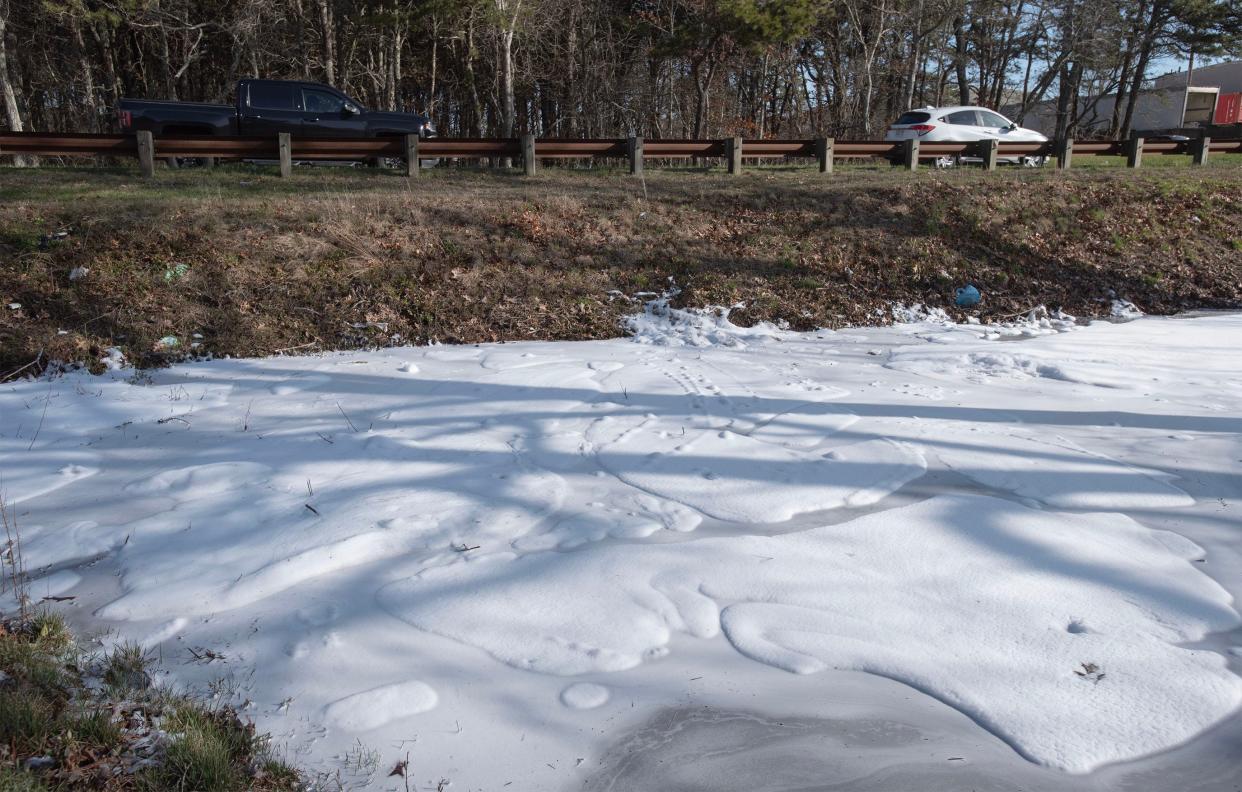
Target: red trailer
x=1228, y=109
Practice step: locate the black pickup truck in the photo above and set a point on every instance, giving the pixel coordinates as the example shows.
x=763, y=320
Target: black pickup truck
x=266, y=107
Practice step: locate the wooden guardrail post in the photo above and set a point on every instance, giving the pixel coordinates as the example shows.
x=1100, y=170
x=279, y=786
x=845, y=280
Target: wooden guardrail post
x=284, y=145
x=411, y=155
x=146, y=153
x=991, y=148
x=634, y=149
x=529, y=163
x=910, y=154
x=1199, y=150
x=733, y=155
x=1134, y=153
x=209, y=162
x=823, y=154
x=1065, y=154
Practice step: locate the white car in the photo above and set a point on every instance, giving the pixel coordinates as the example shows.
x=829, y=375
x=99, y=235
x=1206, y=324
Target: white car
x=962, y=124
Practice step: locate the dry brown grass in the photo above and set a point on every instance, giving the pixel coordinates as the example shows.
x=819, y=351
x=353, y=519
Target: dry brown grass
x=337, y=259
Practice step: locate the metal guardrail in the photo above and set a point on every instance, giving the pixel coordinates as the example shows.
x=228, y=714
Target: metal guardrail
x=287, y=149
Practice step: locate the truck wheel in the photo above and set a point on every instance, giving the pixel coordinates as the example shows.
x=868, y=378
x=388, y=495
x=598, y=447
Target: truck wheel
x=190, y=162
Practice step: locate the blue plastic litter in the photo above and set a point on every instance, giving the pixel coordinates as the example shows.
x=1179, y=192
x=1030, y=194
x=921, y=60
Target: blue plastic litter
x=967, y=296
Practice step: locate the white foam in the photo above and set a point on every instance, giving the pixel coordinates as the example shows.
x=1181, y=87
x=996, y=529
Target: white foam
x=662, y=325
x=584, y=695
x=734, y=477
x=1057, y=472
x=967, y=598
x=591, y=508
x=371, y=709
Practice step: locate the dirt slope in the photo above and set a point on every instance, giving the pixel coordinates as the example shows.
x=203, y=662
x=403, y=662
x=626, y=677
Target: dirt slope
x=238, y=262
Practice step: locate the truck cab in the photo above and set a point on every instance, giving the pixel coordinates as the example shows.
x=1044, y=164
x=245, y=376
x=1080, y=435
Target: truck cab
x=315, y=110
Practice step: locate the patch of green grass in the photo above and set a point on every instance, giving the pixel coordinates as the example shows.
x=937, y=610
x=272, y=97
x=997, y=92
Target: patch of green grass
x=125, y=667
x=95, y=729
x=50, y=632
x=22, y=240
x=31, y=665
x=12, y=780
x=48, y=709
x=215, y=752
x=200, y=759
x=27, y=719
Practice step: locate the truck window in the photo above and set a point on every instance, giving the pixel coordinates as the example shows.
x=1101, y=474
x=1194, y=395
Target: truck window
x=273, y=96
x=321, y=101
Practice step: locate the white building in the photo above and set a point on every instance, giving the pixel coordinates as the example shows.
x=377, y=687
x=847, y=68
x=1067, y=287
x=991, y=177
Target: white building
x=1169, y=104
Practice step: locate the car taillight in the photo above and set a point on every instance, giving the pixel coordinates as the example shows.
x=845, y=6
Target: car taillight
x=125, y=117
x=923, y=129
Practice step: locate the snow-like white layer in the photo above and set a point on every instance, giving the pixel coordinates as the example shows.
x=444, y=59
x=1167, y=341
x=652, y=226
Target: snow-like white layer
x=372, y=709
x=1052, y=470
x=709, y=470
x=584, y=695
x=418, y=544
x=988, y=606
x=660, y=323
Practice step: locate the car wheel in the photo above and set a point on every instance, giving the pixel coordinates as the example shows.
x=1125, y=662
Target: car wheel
x=1034, y=162
x=945, y=162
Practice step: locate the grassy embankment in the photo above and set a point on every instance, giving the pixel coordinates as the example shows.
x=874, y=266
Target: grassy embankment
x=237, y=261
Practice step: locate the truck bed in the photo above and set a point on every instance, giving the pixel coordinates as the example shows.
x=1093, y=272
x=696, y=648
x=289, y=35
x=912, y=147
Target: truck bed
x=132, y=104
x=171, y=117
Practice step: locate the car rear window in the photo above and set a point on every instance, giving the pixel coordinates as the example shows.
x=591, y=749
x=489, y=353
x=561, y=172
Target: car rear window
x=272, y=96
x=913, y=118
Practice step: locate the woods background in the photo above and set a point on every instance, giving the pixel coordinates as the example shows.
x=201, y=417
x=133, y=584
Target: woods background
x=571, y=68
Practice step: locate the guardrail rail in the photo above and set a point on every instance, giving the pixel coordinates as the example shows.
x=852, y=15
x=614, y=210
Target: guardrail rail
x=286, y=149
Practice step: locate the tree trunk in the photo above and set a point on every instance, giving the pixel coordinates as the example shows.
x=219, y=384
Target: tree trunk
x=1123, y=89
x=11, y=113
x=508, y=107
x=329, y=40
x=959, y=60
x=304, y=61
x=1136, y=84
x=1150, y=32
x=88, y=75
x=435, y=47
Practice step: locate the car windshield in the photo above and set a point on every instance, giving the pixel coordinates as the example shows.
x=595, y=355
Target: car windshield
x=993, y=120
x=913, y=117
